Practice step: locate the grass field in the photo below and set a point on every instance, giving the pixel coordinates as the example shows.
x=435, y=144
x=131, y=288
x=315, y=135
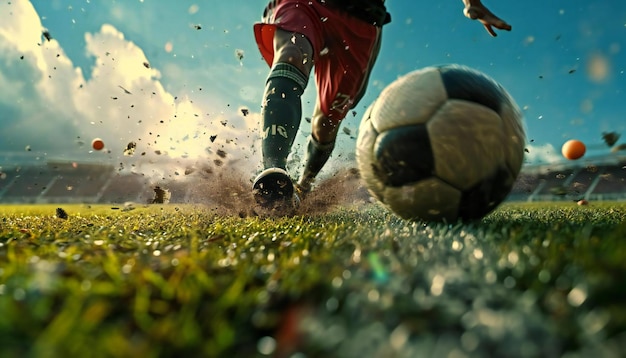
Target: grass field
x=528, y=280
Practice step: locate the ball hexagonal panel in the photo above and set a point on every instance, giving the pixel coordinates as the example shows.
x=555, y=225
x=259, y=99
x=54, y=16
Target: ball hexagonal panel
x=403, y=155
x=467, y=84
x=467, y=142
x=409, y=100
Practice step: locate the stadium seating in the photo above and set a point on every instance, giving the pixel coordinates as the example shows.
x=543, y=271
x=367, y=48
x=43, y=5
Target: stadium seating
x=554, y=182
x=27, y=184
x=611, y=182
x=81, y=183
x=523, y=187
x=583, y=179
x=100, y=183
x=6, y=179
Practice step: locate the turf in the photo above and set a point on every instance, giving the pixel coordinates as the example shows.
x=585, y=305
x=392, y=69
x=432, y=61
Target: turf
x=528, y=280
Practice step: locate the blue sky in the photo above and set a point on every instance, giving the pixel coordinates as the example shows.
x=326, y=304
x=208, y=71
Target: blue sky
x=564, y=63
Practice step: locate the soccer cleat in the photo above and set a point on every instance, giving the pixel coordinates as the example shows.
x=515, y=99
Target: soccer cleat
x=273, y=189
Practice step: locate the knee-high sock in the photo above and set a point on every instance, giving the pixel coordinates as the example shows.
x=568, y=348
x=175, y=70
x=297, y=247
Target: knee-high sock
x=281, y=114
x=316, y=156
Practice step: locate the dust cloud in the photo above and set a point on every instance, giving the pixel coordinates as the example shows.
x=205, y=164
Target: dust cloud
x=229, y=193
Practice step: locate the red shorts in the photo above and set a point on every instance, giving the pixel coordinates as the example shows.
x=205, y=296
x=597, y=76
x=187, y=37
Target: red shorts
x=344, y=47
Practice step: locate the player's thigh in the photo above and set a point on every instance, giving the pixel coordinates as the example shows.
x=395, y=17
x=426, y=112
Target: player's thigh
x=342, y=75
x=294, y=48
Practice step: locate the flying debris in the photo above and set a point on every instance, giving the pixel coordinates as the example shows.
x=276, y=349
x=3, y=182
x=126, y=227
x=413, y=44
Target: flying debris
x=61, y=214
x=130, y=148
x=212, y=138
x=47, y=35
x=245, y=111
x=161, y=196
x=610, y=138
x=125, y=90
x=617, y=148
x=239, y=54
x=347, y=130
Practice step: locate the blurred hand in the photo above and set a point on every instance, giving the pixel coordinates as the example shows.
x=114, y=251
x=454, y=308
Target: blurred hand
x=487, y=18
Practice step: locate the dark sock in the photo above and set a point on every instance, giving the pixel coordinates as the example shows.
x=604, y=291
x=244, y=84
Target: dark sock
x=282, y=111
x=316, y=156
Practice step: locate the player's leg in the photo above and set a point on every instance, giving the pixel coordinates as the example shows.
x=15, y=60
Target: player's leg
x=287, y=37
x=282, y=107
x=333, y=104
x=281, y=114
x=319, y=147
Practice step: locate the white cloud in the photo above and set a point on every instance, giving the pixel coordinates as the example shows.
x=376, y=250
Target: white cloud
x=49, y=104
x=28, y=66
x=21, y=27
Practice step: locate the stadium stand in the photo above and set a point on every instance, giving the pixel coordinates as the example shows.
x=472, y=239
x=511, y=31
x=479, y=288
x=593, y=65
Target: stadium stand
x=65, y=182
x=80, y=183
x=523, y=187
x=6, y=179
x=611, y=184
x=27, y=184
x=583, y=179
x=554, y=182
x=595, y=179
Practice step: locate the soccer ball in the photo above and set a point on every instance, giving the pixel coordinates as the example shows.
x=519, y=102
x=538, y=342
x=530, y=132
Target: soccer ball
x=442, y=143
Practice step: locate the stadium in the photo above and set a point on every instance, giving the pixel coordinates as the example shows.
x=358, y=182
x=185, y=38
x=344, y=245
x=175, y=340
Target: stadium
x=599, y=178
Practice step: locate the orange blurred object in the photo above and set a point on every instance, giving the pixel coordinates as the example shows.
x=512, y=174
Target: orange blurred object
x=573, y=149
x=582, y=202
x=97, y=144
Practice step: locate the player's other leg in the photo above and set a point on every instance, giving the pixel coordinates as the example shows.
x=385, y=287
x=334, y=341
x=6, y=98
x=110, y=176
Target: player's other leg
x=319, y=147
x=281, y=114
x=342, y=78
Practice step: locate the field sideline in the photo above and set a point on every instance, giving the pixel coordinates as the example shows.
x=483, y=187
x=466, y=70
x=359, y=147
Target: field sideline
x=528, y=280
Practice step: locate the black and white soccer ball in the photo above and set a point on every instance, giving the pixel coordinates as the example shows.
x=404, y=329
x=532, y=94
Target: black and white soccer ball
x=442, y=143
